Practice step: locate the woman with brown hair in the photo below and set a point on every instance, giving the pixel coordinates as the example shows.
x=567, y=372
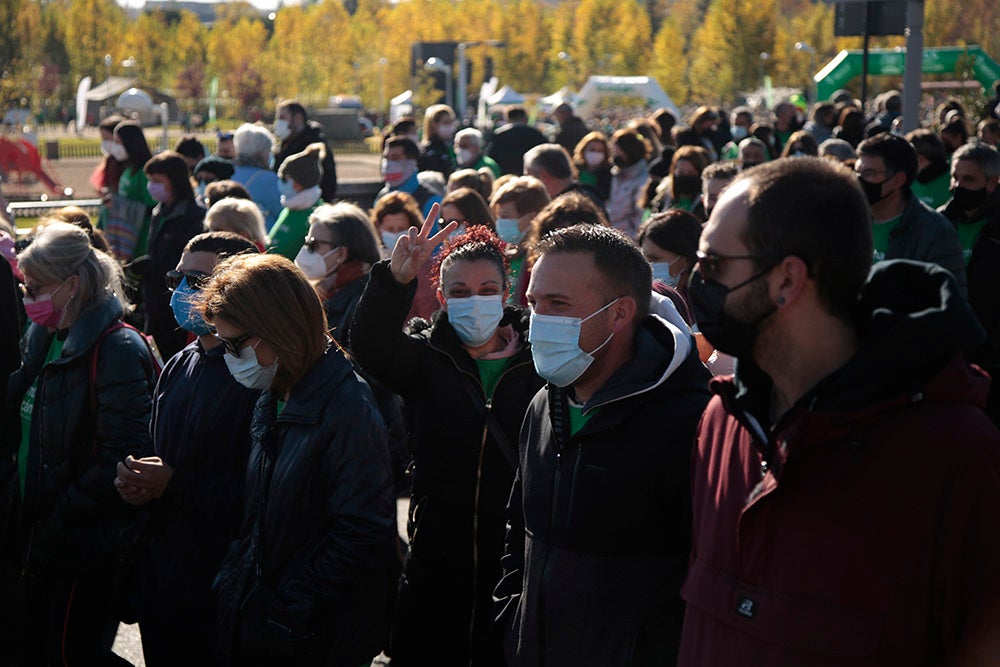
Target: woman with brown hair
x=592, y=158
x=468, y=208
x=305, y=583
x=681, y=189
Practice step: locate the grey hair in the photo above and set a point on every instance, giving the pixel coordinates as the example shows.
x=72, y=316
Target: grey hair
x=470, y=132
x=838, y=148
x=987, y=157
x=240, y=216
x=350, y=227
x=253, y=144
x=60, y=250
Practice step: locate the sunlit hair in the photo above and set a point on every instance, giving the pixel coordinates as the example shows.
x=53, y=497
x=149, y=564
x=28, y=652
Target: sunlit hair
x=475, y=210
x=253, y=144
x=435, y=113
x=479, y=180
x=269, y=297
x=397, y=202
x=239, y=216
x=581, y=147
x=526, y=192
x=60, y=250
x=348, y=226
x=75, y=215
x=476, y=243
x=565, y=210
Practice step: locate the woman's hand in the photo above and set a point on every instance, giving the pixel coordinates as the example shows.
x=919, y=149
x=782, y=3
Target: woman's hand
x=414, y=249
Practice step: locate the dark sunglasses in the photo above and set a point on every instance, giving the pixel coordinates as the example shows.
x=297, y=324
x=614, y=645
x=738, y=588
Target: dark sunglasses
x=234, y=345
x=711, y=263
x=311, y=243
x=196, y=279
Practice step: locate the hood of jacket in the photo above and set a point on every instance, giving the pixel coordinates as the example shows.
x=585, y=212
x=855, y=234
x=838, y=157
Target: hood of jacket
x=913, y=324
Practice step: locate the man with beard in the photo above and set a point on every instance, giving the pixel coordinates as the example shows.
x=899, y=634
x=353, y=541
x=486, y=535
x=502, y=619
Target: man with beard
x=839, y=516
x=903, y=227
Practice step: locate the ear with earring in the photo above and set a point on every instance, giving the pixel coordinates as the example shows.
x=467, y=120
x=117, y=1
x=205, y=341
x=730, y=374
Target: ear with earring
x=781, y=301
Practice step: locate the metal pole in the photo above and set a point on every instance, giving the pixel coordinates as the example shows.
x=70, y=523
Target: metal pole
x=864, y=58
x=914, y=64
x=463, y=84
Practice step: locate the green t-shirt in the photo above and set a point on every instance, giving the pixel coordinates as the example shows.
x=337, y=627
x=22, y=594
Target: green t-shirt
x=880, y=236
x=285, y=238
x=577, y=419
x=490, y=371
x=934, y=193
x=968, y=234
x=684, y=203
x=27, y=406
x=281, y=406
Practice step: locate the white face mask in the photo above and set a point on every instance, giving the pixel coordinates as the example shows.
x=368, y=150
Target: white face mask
x=313, y=264
x=389, y=238
x=661, y=272
x=115, y=150
x=465, y=157
x=509, y=231
x=594, y=158
x=281, y=129
x=446, y=131
x=247, y=370
x=475, y=318
x=555, y=347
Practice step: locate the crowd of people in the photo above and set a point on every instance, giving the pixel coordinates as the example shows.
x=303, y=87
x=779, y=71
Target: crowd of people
x=711, y=393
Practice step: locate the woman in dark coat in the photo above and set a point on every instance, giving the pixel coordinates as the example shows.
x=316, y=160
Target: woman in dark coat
x=83, y=395
x=470, y=360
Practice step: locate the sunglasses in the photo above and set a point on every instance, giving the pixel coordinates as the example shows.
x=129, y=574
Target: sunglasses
x=311, y=243
x=711, y=263
x=234, y=345
x=196, y=279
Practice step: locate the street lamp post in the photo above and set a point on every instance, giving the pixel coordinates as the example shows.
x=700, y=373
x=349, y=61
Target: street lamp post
x=107, y=66
x=435, y=64
x=463, y=83
x=805, y=48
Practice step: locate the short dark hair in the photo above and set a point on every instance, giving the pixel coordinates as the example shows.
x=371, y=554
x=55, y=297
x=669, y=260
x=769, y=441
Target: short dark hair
x=624, y=271
x=477, y=242
x=408, y=145
x=189, y=146
x=294, y=107
x=726, y=170
x=219, y=190
x=517, y=114
x=222, y=244
x=928, y=144
x=665, y=119
x=834, y=240
x=896, y=152
x=553, y=158
x=674, y=230
x=173, y=166
x=631, y=143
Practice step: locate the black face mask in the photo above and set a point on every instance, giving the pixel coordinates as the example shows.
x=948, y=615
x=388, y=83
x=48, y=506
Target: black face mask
x=622, y=163
x=969, y=200
x=873, y=191
x=686, y=186
x=725, y=332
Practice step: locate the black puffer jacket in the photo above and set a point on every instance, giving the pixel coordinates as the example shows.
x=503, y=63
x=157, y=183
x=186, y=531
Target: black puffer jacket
x=312, y=133
x=600, y=521
x=305, y=583
x=72, y=516
x=461, y=478
x=435, y=156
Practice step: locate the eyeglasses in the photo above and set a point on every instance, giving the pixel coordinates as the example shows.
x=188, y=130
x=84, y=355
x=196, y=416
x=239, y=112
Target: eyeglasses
x=311, y=243
x=32, y=291
x=195, y=279
x=234, y=345
x=711, y=263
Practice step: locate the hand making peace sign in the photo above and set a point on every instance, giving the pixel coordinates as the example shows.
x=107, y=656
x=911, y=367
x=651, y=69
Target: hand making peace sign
x=415, y=248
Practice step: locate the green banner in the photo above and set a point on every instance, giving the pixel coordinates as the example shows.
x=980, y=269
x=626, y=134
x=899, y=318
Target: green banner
x=891, y=62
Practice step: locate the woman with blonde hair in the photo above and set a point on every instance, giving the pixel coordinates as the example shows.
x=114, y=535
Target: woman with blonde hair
x=436, y=151
x=306, y=583
x=83, y=393
x=239, y=216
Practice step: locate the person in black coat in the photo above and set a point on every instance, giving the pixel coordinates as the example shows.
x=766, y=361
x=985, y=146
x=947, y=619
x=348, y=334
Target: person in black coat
x=470, y=360
x=80, y=403
x=176, y=219
x=295, y=131
x=511, y=142
x=436, y=152
x=192, y=489
x=572, y=129
x=305, y=582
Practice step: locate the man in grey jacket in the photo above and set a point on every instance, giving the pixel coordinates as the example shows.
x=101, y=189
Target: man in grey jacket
x=903, y=227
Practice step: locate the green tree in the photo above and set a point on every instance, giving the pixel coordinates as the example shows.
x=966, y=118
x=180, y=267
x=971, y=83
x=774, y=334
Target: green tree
x=727, y=47
x=93, y=28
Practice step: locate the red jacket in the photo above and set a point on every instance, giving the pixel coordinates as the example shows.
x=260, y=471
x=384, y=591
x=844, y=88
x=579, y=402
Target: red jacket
x=864, y=527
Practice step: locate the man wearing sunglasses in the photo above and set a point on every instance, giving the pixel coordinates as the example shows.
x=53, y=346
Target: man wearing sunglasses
x=193, y=486
x=846, y=481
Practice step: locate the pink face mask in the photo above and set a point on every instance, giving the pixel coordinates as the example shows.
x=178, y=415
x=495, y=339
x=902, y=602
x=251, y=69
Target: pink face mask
x=42, y=312
x=10, y=254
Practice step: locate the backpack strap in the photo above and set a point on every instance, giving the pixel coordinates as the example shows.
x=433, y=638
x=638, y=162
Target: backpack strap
x=95, y=352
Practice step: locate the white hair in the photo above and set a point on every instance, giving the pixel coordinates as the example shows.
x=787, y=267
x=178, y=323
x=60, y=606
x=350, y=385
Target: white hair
x=470, y=132
x=253, y=144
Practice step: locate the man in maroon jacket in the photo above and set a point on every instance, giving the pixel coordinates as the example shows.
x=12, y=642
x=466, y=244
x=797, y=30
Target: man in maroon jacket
x=846, y=482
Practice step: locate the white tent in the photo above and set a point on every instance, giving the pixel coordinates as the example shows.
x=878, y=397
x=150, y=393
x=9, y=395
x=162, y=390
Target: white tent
x=505, y=95
x=564, y=94
x=643, y=87
x=401, y=105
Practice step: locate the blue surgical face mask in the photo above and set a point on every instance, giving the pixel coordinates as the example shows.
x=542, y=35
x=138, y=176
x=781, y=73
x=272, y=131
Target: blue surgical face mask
x=661, y=272
x=182, y=303
x=507, y=230
x=475, y=318
x=555, y=347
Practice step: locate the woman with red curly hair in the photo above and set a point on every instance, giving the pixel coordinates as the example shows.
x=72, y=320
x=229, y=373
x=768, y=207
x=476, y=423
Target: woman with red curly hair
x=467, y=378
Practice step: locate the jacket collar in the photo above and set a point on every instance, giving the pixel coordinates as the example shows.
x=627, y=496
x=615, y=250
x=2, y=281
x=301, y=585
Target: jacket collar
x=442, y=336
x=311, y=394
